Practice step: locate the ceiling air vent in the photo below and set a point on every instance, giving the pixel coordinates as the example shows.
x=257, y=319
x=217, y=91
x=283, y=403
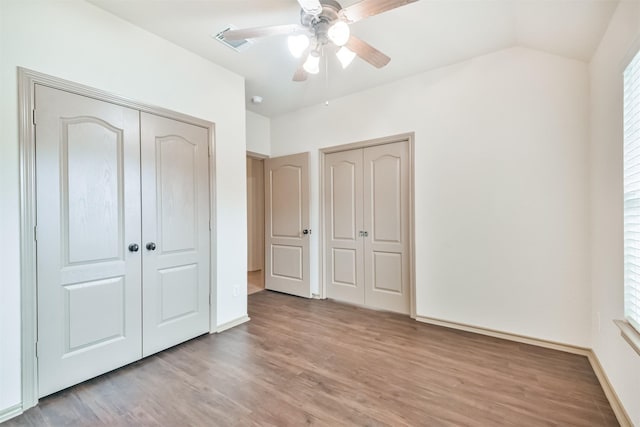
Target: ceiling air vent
x=237, y=45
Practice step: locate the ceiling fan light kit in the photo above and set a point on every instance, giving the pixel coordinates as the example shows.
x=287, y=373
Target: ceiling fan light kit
x=345, y=56
x=312, y=64
x=298, y=44
x=324, y=23
x=339, y=33
x=311, y=6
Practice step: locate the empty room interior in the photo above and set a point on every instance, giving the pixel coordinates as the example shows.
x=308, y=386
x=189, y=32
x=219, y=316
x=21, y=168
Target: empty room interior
x=320, y=212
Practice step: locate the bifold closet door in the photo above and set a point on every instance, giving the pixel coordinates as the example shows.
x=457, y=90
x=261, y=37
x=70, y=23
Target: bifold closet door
x=88, y=215
x=386, y=220
x=175, y=232
x=343, y=226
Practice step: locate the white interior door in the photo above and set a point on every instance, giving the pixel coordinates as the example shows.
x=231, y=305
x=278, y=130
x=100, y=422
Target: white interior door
x=386, y=220
x=88, y=213
x=287, y=224
x=175, y=231
x=344, y=226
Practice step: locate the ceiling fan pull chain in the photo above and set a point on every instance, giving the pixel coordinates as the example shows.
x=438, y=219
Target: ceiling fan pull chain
x=326, y=76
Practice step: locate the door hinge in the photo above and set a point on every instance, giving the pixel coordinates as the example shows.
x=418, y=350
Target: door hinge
x=33, y=115
x=35, y=233
x=36, y=348
x=209, y=225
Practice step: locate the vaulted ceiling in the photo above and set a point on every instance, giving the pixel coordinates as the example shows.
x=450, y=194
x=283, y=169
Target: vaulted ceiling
x=418, y=37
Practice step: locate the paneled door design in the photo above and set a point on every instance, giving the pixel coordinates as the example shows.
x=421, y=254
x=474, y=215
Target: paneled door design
x=175, y=232
x=88, y=237
x=367, y=226
x=344, y=241
x=287, y=224
x=122, y=235
x=386, y=225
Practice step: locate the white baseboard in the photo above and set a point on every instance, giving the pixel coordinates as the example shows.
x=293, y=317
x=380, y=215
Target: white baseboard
x=612, y=396
x=614, y=401
x=568, y=348
x=10, y=412
x=232, y=323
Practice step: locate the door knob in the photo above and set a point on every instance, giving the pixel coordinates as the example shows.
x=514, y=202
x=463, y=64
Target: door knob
x=151, y=246
x=134, y=247
x=306, y=231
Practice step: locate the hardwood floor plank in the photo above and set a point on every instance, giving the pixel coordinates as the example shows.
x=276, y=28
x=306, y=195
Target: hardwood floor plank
x=309, y=362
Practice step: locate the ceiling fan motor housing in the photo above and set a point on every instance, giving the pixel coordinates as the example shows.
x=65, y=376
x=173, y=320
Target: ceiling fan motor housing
x=319, y=24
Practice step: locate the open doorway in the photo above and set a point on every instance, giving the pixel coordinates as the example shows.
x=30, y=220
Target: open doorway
x=255, y=223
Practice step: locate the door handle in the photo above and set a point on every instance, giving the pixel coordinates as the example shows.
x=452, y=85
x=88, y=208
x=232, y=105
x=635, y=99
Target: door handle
x=134, y=247
x=364, y=233
x=306, y=231
x=151, y=246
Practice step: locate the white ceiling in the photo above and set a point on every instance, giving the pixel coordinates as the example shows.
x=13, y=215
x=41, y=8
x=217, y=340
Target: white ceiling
x=418, y=37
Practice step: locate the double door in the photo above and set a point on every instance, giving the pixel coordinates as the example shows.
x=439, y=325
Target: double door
x=122, y=235
x=367, y=226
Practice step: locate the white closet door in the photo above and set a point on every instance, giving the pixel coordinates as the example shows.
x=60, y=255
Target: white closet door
x=88, y=213
x=386, y=219
x=286, y=219
x=175, y=233
x=344, y=226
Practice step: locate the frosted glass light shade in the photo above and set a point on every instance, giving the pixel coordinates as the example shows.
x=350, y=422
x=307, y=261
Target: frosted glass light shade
x=345, y=56
x=311, y=6
x=312, y=64
x=298, y=44
x=339, y=33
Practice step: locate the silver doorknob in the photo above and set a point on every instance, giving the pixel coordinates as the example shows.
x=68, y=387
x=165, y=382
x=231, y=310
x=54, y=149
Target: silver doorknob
x=151, y=246
x=134, y=247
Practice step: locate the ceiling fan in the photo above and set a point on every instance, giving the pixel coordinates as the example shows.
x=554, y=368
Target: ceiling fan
x=324, y=26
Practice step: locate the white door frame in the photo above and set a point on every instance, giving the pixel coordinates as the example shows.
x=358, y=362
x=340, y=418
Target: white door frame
x=27, y=79
x=408, y=137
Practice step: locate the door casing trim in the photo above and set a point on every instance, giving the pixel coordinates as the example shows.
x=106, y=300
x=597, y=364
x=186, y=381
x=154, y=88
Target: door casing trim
x=27, y=80
x=408, y=137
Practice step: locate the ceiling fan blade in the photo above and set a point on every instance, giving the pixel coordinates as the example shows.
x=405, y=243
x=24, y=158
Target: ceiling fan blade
x=311, y=6
x=367, y=8
x=367, y=52
x=300, y=75
x=275, y=30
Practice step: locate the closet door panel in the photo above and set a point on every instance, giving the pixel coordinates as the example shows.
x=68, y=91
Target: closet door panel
x=343, y=224
x=175, y=234
x=386, y=219
x=88, y=213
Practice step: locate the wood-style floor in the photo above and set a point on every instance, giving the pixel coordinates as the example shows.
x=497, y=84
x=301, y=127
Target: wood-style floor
x=300, y=362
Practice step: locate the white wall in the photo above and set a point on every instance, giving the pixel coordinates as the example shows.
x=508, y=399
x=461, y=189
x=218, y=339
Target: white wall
x=79, y=42
x=501, y=186
x=258, y=133
x=619, y=361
